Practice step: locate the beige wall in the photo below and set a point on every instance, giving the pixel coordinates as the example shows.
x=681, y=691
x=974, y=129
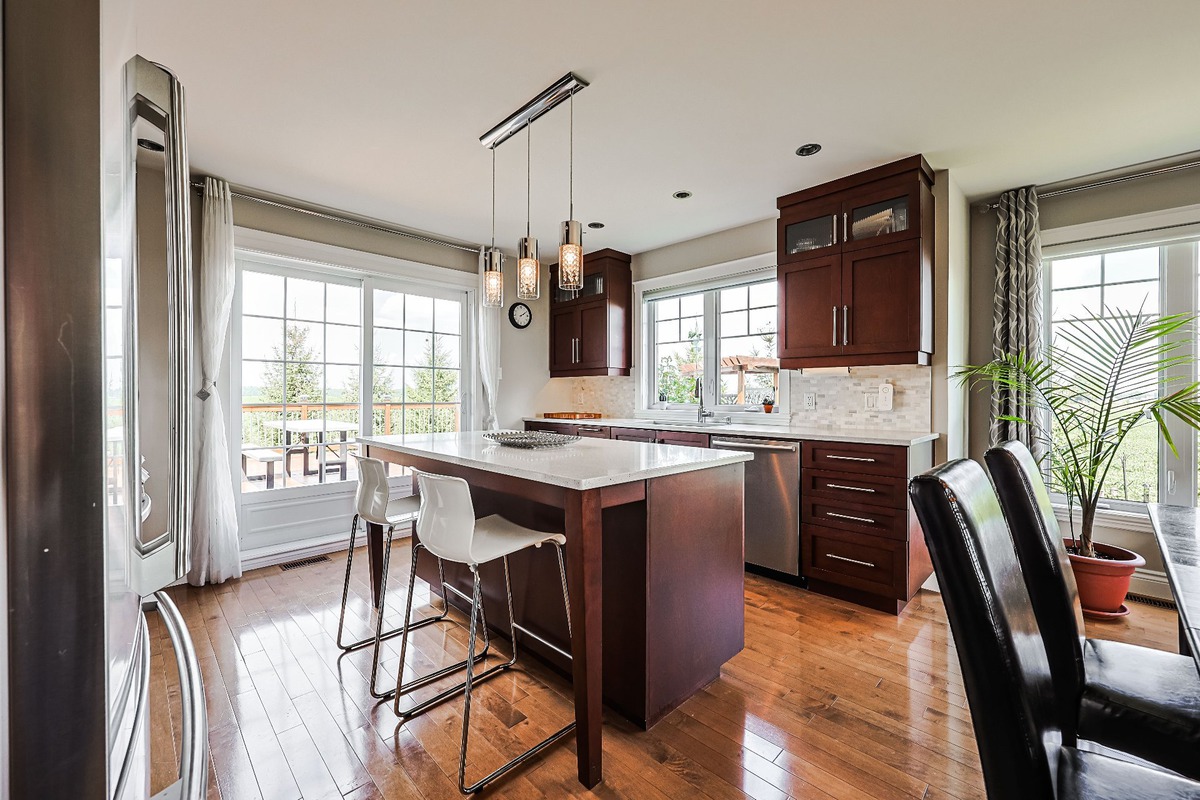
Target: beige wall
x=951, y=283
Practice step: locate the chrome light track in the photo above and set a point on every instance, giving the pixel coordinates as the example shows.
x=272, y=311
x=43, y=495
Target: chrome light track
x=546, y=100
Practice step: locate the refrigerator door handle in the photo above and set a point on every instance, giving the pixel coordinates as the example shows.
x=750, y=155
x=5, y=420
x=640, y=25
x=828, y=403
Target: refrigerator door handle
x=193, y=751
x=156, y=97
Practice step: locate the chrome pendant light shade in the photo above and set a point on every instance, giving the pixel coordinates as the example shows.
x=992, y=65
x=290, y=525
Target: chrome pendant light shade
x=493, y=278
x=570, y=257
x=493, y=259
x=529, y=279
x=570, y=249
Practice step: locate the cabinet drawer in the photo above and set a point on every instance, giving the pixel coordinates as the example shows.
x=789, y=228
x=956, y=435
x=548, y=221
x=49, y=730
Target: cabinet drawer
x=891, y=523
x=868, y=459
x=858, y=561
x=853, y=489
x=631, y=434
x=592, y=431
x=554, y=427
x=682, y=438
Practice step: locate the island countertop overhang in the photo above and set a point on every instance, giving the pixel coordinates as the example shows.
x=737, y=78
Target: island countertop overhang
x=581, y=465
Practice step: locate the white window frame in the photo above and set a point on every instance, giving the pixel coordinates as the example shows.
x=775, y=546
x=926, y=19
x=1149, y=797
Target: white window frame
x=287, y=255
x=704, y=279
x=1176, y=232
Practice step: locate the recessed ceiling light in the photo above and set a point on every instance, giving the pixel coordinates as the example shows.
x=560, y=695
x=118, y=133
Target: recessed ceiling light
x=595, y=225
x=151, y=145
x=682, y=194
x=810, y=149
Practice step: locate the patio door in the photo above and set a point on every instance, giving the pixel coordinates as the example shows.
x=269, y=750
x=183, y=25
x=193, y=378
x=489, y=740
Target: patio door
x=320, y=355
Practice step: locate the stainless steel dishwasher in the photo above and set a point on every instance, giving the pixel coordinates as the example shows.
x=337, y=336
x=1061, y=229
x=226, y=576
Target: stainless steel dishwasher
x=772, y=501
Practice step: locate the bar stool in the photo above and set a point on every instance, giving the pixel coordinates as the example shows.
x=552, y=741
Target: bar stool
x=374, y=505
x=447, y=528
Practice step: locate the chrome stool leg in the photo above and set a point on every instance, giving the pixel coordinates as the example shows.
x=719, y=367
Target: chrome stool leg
x=472, y=679
x=403, y=688
x=379, y=635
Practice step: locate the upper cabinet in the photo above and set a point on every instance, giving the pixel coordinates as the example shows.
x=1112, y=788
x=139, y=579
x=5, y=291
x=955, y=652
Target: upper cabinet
x=856, y=270
x=591, y=330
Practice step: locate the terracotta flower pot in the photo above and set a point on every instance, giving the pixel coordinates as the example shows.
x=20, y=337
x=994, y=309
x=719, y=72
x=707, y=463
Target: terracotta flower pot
x=1104, y=582
x=768, y=407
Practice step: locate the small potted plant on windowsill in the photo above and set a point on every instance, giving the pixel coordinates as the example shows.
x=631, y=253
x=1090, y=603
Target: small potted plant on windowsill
x=768, y=404
x=1099, y=380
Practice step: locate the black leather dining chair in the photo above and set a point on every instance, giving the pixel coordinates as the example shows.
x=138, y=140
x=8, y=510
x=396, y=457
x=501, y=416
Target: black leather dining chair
x=1022, y=748
x=1134, y=699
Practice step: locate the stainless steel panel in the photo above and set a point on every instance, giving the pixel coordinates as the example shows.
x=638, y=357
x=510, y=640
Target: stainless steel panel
x=772, y=502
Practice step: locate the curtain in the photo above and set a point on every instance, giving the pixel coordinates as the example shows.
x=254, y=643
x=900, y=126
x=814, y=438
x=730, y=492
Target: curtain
x=489, y=353
x=1017, y=324
x=216, y=555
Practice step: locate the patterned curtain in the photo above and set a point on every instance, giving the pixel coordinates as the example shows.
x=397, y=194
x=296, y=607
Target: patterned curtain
x=1017, y=324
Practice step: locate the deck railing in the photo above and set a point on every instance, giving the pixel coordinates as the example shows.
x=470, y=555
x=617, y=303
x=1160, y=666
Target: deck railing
x=387, y=418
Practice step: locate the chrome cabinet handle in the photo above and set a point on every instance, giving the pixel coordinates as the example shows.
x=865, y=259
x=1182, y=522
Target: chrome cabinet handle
x=835, y=229
x=193, y=752
x=845, y=325
x=590, y=430
x=845, y=237
x=835, y=326
x=850, y=517
x=849, y=488
x=851, y=560
x=851, y=458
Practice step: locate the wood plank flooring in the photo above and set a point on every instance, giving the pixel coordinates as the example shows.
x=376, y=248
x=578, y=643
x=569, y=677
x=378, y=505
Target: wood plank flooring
x=828, y=700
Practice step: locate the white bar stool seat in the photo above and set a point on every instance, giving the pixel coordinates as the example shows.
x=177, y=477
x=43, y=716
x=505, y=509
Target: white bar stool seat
x=447, y=528
x=374, y=505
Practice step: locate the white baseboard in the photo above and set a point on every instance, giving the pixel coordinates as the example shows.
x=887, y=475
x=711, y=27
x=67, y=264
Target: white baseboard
x=271, y=555
x=1151, y=583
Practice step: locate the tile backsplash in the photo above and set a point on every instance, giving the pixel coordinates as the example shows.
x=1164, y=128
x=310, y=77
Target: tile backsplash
x=839, y=397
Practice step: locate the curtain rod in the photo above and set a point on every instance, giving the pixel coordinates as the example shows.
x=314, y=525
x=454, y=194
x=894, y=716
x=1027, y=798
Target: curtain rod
x=1193, y=160
x=244, y=194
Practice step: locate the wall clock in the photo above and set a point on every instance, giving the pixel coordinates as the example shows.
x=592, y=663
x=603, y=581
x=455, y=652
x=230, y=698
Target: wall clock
x=519, y=315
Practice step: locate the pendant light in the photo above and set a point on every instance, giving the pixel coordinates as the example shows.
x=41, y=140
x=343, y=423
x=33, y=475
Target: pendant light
x=570, y=252
x=493, y=259
x=528, y=268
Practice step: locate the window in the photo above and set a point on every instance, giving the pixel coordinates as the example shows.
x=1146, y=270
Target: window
x=722, y=336
x=307, y=390
x=1156, y=278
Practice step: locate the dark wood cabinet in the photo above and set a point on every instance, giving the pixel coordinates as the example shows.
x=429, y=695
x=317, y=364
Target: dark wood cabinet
x=856, y=270
x=859, y=538
x=681, y=438
x=631, y=434
x=591, y=330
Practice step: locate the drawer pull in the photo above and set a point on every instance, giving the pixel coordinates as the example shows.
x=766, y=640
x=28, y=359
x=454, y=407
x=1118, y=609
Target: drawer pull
x=850, y=517
x=590, y=430
x=851, y=458
x=849, y=488
x=852, y=561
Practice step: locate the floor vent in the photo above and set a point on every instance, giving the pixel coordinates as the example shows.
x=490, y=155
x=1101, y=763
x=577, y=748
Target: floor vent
x=304, y=562
x=1152, y=601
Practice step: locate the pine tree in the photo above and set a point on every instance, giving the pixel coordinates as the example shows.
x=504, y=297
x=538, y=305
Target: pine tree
x=300, y=380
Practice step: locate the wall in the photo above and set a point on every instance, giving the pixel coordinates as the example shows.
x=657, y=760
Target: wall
x=1134, y=197
x=951, y=285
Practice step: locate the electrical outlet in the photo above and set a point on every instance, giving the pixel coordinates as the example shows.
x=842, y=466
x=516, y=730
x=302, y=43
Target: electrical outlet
x=869, y=400
x=810, y=401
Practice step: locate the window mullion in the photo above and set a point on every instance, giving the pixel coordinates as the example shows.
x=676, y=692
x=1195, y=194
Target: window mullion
x=1179, y=296
x=712, y=348
x=366, y=395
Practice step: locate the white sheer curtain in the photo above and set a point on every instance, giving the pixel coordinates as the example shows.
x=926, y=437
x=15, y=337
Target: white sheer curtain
x=489, y=353
x=216, y=555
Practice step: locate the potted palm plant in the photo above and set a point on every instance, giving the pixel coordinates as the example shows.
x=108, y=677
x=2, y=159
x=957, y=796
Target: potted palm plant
x=1098, y=381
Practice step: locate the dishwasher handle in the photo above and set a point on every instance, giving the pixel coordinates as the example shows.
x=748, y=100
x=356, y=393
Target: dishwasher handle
x=718, y=444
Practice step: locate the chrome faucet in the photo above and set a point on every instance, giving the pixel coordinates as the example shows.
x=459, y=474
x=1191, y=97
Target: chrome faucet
x=702, y=413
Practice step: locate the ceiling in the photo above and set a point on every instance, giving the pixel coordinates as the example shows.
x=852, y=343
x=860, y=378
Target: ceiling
x=376, y=106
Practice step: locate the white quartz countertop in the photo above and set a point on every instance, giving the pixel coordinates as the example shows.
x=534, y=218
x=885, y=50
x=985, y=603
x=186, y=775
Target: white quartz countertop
x=790, y=432
x=583, y=464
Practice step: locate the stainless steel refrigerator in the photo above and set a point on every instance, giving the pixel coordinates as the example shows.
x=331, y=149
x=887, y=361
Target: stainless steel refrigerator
x=83, y=561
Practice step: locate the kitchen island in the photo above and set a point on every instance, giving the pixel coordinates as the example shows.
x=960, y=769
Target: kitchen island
x=654, y=563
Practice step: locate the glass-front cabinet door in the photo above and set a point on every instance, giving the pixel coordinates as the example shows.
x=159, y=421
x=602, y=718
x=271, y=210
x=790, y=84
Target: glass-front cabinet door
x=593, y=286
x=882, y=213
x=808, y=227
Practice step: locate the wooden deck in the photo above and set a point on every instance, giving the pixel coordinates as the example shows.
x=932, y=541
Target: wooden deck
x=827, y=700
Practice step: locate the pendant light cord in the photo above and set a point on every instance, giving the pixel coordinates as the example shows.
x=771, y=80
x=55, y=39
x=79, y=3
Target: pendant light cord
x=493, y=198
x=528, y=171
x=572, y=157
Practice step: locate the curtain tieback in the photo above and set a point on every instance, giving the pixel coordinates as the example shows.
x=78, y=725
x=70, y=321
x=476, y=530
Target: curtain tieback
x=204, y=392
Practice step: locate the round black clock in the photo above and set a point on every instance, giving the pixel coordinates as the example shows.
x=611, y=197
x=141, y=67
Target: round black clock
x=519, y=315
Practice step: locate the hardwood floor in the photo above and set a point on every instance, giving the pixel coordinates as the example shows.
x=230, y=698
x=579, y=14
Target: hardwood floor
x=827, y=700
